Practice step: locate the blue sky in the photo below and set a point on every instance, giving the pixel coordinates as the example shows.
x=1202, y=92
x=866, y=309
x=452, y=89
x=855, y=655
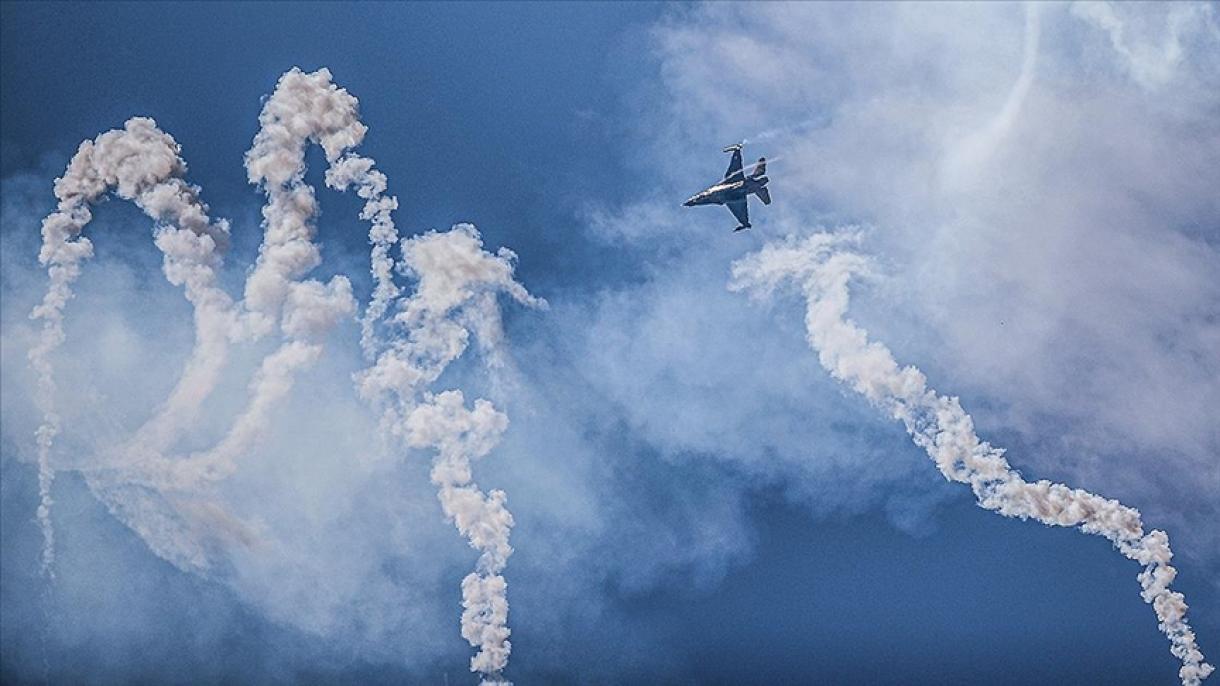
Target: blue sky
x=696, y=500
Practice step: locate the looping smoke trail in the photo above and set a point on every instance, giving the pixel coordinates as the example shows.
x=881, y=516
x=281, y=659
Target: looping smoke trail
x=164, y=498
x=158, y=495
x=304, y=108
x=821, y=270
x=310, y=107
x=457, y=281
x=143, y=164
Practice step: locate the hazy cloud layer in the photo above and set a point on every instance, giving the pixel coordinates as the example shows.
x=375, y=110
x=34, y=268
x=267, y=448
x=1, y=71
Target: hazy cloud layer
x=1046, y=222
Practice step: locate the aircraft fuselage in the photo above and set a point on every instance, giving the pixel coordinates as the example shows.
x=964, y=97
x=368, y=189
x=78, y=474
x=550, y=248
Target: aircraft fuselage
x=727, y=192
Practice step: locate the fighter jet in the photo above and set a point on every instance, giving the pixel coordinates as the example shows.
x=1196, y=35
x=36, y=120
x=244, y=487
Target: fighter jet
x=736, y=188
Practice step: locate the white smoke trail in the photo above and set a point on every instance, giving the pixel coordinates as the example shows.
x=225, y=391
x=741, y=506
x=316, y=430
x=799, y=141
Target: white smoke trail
x=164, y=498
x=371, y=185
x=821, y=270
x=456, y=278
x=143, y=164
x=1151, y=56
x=963, y=159
x=749, y=168
x=310, y=107
x=142, y=485
x=459, y=436
x=138, y=481
x=457, y=281
x=304, y=108
x=781, y=132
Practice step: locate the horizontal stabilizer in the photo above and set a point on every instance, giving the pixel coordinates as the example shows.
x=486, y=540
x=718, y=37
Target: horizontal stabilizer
x=760, y=167
x=764, y=195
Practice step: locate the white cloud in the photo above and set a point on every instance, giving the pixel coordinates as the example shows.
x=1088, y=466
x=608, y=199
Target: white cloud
x=1066, y=279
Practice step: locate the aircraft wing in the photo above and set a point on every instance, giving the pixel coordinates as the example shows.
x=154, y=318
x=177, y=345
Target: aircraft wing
x=734, y=171
x=741, y=210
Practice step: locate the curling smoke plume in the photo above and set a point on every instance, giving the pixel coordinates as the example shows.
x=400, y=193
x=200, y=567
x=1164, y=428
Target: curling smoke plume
x=159, y=495
x=310, y=108
x=142, y=164
x=166, y=498
x=821, y=270
x=455, y=295
x=303, y=109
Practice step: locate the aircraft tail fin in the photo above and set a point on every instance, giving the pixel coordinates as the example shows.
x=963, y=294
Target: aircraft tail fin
x=760, y=168
x=764, y=194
